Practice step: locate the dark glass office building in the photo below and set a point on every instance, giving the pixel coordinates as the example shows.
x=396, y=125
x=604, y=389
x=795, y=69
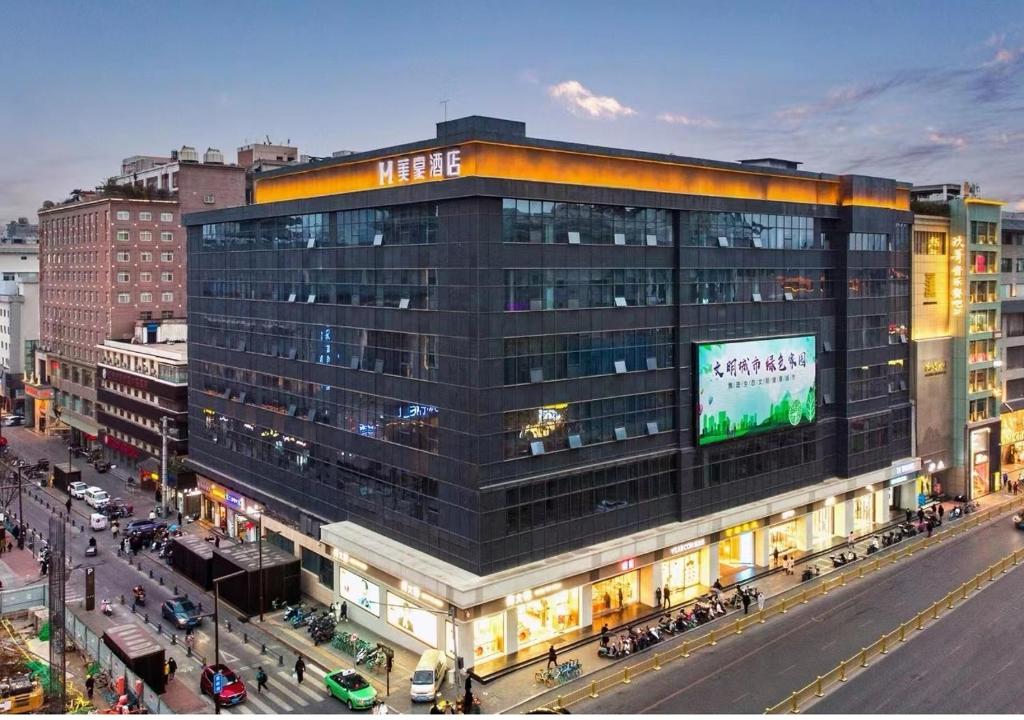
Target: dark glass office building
x=472, y=363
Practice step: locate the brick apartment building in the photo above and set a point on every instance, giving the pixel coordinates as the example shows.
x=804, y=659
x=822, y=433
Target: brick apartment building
x=112, y=267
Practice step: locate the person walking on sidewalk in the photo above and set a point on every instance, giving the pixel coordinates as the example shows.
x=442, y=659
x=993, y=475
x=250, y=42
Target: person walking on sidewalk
x=657, y=597
x=552, y=657
x=942, y=513
x=172, y=667
x=261, y=679
x=849, y=540
x=343, y=615
x=300, y=669
x=746, y=603
x=190, y=641
x=90, y=683
x=665, y=595
x=910, y=516
x=775, y=557
x=760, y=600
x=68, y=506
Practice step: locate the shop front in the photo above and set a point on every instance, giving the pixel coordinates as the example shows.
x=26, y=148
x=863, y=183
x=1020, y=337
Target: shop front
x=226, y=509
x=41, y=399
x=736, y=547
x=686, y=573
x=788, y=537
x=358, y=591
x=980, y=462
x=863, y=514
x=1011, y=443
x=823, y=532
x=615, y=593
x=488, y=637
x=545, y=614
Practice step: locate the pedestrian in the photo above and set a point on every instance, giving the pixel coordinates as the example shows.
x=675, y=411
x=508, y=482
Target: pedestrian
x=665, y=595
x=300, y=669
x=552, y=657
x=216, y=541
x=746, y=603
x=1006, y=480
x=68, y=505
x=90, y=683
x=179, y=518
x=775, y=557
x=942, y=513
x=657, y=597
x=930, y=526
x=604, y=635
x=190, y=641
x=344, y=611
x=172, y=667
x=920, y=514
x=909, y=516
x=167, y=671
x=785, y=564
x=760, y=600
x=849, y=539
x=261, y=679
x=620, y=597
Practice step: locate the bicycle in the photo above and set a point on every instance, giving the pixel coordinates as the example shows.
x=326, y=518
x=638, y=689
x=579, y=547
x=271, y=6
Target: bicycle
x=545, y=677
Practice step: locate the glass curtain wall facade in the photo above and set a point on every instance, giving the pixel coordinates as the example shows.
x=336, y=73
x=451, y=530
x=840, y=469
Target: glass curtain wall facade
x=505, y=372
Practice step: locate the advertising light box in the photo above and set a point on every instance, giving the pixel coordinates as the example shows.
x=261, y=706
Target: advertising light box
x=754, y=386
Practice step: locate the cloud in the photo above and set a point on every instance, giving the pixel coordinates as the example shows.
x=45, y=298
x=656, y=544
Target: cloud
x=529, y=75
x=580, y=101
x=954, y=141
x=843, y=97
x=687, y=120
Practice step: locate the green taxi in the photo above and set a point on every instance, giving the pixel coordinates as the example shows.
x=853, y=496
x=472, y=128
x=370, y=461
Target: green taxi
x=351, y=688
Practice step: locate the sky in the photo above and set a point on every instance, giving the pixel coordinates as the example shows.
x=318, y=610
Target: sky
x=923, y=92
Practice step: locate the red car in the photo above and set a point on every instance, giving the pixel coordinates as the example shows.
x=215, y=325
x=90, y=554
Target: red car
x=232, y=689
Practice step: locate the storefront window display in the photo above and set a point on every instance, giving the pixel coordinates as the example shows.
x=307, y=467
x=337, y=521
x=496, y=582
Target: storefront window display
x=489, y=636
x=737, y=549
x=822, y=528
x=683, y=575
x=548, y=617
x=616, y=593
x=787, y=537
x=980, y=463
x=360, y=591
x=420, y=623
x=863, y=514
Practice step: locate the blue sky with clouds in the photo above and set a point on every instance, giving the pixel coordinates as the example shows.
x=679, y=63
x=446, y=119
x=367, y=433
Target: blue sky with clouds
x=921, y=91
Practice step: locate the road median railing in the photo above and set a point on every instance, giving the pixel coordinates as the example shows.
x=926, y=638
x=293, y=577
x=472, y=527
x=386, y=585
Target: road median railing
x=798, y=699
x=783, y=603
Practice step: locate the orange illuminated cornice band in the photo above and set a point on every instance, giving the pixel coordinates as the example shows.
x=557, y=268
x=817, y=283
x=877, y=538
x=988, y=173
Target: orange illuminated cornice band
x=524, y=163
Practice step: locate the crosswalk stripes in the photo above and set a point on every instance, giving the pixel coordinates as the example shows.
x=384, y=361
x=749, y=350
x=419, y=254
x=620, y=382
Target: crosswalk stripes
x=309, y=691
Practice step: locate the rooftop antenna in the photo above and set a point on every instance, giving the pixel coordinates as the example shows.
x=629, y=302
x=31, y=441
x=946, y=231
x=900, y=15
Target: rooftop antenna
x=268, y=140
x=445, y=103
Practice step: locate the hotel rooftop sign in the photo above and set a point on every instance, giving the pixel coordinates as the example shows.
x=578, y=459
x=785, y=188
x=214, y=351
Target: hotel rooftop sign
x=568, y=166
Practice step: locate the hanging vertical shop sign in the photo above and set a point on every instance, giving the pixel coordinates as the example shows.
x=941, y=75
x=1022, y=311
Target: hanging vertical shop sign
x=956, y=276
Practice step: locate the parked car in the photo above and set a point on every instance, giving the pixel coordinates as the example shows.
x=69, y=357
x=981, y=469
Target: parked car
x=116, y=508
x=102, y=466
x=77, y=490
x=181, y=612
x=145, y=527
x=351, y=688
x=9, y=420
x=232, y=689
x=96, y=497
x=1018, y=522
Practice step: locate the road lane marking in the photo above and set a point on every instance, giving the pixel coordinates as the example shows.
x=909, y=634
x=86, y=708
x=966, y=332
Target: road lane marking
x=309, y=692
x=258, y=702
x=740, y=697
x=784, y=670
x=866, y=623
x=829, y=644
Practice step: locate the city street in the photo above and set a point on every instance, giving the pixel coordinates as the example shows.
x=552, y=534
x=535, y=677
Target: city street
x=749, y=673
x=115, y=577
x=968, y=662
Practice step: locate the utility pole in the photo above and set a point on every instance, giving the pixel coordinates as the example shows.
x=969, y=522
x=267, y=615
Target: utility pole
x=259, y=539
x=21, y=515
x=163, y=464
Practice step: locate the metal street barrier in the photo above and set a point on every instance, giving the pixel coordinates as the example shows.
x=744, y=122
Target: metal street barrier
x=817, y=688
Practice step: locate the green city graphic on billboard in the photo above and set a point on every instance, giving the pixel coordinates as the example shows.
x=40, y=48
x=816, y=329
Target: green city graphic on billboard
x=754, y=386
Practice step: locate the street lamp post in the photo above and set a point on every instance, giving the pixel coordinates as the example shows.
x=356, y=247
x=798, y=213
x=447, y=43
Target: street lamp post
x=216, y=624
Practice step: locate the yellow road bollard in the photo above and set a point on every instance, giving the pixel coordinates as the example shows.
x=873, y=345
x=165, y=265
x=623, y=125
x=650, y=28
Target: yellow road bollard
x=712, y=636
x=843, y=578
x=739, y=628
x=792, y=704
x=963, y=591
x=842, y=671
x=884, y=650
x=1004, y=564
x=935, y=611
x=903, y=632
x=920, y=620
x=991, y=573
x=804, y=598
x=860, y=573
x=657, y=661
x=558, y=702
x=863, y=657
x=818, y=688
x=783, y=611
x=686, y=648
x=824, y=588
x=625, y=677
x=593, y=689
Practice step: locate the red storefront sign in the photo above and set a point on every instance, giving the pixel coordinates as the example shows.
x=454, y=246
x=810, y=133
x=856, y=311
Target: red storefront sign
x=121, y=446
x=39, y=393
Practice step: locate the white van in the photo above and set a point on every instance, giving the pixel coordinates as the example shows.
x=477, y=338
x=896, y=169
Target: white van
x=428, y=676
x=98, y=521
x=96, y=497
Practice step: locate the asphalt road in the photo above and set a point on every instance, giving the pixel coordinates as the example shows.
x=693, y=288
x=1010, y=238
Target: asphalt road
x=968, y=662
x=746, y=674
x=115, y=577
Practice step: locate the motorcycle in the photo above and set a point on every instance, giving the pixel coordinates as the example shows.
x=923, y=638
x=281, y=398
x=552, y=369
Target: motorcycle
x=291, y=611
x=106, y=608
x=139, y=595
x=873, y=546
x=90, y=550
x=842, y=558
x=955, y=513
x=810, y=573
